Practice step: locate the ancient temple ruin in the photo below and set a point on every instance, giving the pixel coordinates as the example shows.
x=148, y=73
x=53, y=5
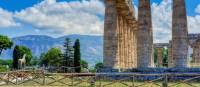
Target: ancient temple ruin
x=128, y=43
x=120, y=34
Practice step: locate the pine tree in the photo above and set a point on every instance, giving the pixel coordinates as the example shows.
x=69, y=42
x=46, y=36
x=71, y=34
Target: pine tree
x=77, y=56
x=68, y=56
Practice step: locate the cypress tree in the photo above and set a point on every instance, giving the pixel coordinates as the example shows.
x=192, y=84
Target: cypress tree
x=16, y=56
x=77, y=56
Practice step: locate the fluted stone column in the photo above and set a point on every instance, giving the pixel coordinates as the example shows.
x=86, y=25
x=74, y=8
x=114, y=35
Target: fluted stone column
x=120, y=41
x=179, y=34
x=110, y=34
x=170, y=59
x=125, y=44
x=144, y=35
x=160, y=57
x=129, y=49
x=119, y=48
x=196, y=54
x=134, y=51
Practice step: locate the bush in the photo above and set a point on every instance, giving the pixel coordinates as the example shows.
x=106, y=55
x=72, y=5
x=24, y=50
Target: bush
x=3, y=69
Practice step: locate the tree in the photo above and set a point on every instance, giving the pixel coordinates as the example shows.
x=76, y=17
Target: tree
x=155, y=56
x=98, y=66
x=6, y=62
x=18, y=53
x=77, y=56
x=43, y=61
x=84, y=64
x=68, y=58
x=5, y=43
x=53, y=57
x=165, y=57
x=34, y=61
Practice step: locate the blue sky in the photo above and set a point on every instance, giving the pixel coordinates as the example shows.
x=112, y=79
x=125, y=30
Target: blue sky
x=64, y=17
x=17, y=5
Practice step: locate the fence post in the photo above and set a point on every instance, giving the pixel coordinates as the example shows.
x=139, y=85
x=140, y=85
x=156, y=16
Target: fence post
x=92, y=83
x=72, y=84
x=165, y=80
x=16, y=77
x=133, y=81
x=43, y=76
x=8, y=78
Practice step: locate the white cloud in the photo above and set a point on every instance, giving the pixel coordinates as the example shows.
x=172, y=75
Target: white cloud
x=161, y=21
x=65, y=17
x=6, y=19
x=197, y=10
x=193, y=24
x=86, y=17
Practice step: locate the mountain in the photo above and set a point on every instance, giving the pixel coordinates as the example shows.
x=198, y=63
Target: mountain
x=91, y=46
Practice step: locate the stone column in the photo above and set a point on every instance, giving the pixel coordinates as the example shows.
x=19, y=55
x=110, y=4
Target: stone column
x=110, y=34
x=196, y=54
x=179, y=34
x=118, y=44
x=160, y=57
x=134, y=47
x=125, y=44
x=129, y=49
x=121, y=42
x=170, y=59
x=144, y=35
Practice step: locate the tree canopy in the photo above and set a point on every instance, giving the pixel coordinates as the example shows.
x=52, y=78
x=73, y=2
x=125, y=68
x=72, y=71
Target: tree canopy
x=53, y=57
x=5, y=43
x=84, y=64
x=98, y=65
x=18, y=53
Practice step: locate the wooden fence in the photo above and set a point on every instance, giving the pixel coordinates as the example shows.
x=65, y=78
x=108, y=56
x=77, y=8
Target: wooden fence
x=39, y=78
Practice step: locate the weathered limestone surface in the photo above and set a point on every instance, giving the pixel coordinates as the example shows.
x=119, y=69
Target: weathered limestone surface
x=179, y=34
x=170, y=58
x=144, y=35
x=119, y=35
x=110, y=34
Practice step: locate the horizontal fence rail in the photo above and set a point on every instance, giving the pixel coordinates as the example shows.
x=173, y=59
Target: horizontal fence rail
x=40, y=78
